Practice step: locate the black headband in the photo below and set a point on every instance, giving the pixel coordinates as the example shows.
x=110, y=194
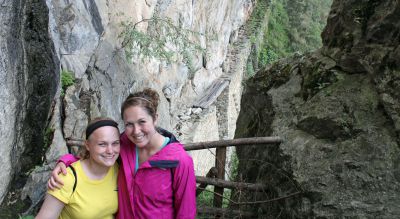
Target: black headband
x=92, y=127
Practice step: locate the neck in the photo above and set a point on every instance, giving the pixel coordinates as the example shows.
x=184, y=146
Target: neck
x=154, y=145
x=93, y=170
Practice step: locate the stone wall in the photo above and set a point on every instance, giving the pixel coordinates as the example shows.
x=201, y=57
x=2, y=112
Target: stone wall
x=29, y=65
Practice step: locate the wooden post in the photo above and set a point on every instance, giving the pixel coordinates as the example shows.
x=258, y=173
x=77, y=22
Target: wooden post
x=220, y=161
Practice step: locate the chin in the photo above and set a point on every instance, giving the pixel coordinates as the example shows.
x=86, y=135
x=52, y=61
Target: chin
x=141, y=144
x=109, y=164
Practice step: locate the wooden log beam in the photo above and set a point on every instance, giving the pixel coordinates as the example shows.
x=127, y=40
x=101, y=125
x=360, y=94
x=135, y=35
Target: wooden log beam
x=210, y=144
x=232, y=142
x=212, y=173
x=225, y=212
x=74, y=142
x=229, y=184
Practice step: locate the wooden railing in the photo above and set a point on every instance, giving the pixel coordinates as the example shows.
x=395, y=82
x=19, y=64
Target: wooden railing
x=216, y=175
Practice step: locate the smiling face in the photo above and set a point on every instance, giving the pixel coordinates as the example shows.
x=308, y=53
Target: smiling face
x=103, y=146
x=140, y=126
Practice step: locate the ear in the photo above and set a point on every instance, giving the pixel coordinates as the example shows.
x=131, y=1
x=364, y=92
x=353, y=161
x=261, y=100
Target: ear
x=87, y=145
x=156, y=120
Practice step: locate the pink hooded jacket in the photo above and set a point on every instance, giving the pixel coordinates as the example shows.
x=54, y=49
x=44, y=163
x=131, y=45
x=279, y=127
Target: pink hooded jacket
x=163, y=187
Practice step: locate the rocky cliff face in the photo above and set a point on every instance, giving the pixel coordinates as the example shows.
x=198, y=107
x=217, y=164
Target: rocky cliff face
x=29, y=76
x=337, y=111
x=40, y=38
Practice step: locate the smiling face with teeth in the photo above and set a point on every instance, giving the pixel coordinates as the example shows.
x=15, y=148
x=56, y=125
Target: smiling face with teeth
x=103, y=146
x=140, y=126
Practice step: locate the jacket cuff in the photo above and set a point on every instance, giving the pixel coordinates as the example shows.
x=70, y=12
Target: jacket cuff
x=68, y=159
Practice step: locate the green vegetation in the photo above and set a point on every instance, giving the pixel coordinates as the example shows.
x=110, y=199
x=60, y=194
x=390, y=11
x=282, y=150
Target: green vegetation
x=48, y=136
x=162, y=40
x=12, y=206
x=67, y=79
x=276, y=41
x=254, y=30
x=207, y=196
x=26, y=217
x=307, y=19
x=234, y=163
x=294, y=26
x=256, y=18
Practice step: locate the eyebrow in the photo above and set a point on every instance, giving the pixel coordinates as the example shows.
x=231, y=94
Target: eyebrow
x=138, y=120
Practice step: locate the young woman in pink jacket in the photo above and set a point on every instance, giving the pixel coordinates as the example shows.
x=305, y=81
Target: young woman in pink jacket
x=156, y=176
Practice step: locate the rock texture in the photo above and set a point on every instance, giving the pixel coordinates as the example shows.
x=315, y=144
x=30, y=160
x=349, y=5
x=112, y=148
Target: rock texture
x=39, y=39
x=337, y=111
x=29, y=76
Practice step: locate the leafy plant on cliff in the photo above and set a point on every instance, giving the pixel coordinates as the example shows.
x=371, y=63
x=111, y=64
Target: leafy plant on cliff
x=162, y=40
x=67, y=79
x=48, y=137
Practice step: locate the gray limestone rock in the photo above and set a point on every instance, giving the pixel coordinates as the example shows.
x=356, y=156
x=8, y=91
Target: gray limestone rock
x=39, y=38
x=337, y=112
x=29, y=79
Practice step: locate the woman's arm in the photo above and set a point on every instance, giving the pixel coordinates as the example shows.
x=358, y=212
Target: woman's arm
x=184, y=185
x=51, y=208
x=55, y=182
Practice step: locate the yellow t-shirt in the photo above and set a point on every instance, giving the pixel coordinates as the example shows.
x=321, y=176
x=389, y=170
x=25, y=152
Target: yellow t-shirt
x=97, y=199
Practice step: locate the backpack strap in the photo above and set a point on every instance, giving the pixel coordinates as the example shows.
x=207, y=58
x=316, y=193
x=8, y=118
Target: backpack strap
x=76, y=179
x=172, y=185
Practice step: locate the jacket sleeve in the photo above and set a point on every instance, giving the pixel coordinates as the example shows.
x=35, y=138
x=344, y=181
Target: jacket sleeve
x=68, y=159
x=184, y=185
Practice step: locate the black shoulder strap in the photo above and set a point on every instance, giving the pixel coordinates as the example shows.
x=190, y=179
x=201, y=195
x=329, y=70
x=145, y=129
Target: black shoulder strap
x=76, y=179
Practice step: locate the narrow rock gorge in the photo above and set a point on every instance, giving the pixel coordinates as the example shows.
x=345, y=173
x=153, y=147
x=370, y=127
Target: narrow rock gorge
x=336, y=108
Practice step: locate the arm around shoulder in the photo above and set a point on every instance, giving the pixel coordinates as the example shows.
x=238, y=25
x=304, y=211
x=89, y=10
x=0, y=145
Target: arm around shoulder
x=55, y=181
x=68, y=159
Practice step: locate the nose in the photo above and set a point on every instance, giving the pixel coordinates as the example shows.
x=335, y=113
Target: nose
x=109, y=149
x=136, y=129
